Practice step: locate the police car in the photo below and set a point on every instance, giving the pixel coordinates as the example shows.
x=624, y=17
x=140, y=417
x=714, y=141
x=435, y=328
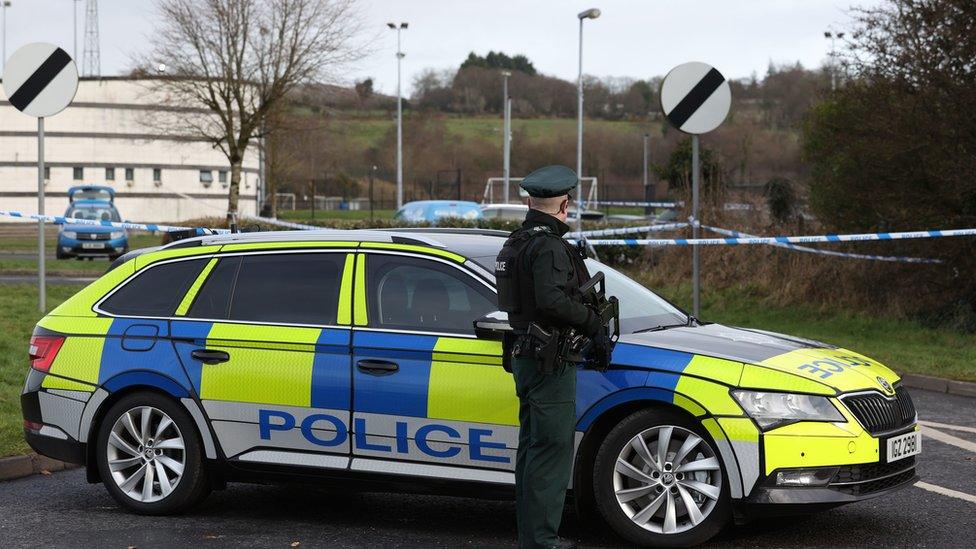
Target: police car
x=353, y=356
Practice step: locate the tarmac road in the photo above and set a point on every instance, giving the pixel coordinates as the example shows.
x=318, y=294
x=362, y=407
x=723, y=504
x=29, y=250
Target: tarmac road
x=62, y=510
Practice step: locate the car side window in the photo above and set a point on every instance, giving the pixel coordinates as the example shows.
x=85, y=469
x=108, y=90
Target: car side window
x=418, y=294
x=213, y=299
x=156, y=291
x=288, y=288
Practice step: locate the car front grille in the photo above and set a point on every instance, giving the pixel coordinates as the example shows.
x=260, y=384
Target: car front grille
x=873, y=477
x=880, y=414
x=94, y=236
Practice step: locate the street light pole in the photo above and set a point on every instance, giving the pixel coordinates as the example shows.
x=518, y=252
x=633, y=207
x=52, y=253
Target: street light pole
x=591, y=13
x=833, y=57
x=507, y=131
x=647, y=191
x=3, y=60
x=74, y=28
x=399, y=56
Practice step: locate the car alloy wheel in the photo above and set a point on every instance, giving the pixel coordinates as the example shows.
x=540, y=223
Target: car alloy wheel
x=146, y=454
x=667, y=479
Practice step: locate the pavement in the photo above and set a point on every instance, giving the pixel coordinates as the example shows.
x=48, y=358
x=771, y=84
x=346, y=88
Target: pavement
x=62, y=510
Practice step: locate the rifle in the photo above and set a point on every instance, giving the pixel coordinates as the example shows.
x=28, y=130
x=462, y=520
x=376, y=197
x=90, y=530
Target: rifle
x=594, y=292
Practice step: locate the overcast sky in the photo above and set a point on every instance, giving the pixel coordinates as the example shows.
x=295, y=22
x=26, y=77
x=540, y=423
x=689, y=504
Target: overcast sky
x=632, y=38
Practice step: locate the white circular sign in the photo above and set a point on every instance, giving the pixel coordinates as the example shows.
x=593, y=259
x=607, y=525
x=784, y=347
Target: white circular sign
x=695, y=97
x=40, y=79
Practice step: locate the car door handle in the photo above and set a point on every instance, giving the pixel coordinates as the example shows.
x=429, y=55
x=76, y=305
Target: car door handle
x=377, y=367
x=208, y=356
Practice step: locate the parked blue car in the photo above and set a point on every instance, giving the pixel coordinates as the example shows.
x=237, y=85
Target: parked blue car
x=432, y=211
x=79, y=240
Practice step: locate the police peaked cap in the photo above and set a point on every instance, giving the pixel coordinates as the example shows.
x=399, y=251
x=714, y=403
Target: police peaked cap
x=550, y=181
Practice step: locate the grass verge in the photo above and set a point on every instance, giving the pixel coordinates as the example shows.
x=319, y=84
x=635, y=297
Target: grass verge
x=16, y=324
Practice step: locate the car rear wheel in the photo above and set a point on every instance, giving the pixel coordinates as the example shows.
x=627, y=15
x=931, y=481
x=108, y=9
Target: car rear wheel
x=149, y=455
x=658, y=481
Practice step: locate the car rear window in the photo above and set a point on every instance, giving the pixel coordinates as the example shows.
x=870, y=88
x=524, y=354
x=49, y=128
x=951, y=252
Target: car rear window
x=288, y=288
x=156, y=290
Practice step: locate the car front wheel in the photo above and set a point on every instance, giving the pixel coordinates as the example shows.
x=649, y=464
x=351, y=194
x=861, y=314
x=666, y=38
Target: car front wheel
x=149, y=455
x=658, y=481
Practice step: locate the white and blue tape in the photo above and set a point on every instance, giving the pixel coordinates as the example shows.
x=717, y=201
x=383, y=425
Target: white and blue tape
x=628, y=230
x=633, y=204
x=60, y=220
x=733, y=241
x=893, y=259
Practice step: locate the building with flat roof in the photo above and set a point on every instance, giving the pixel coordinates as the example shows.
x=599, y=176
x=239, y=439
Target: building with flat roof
x=111, y=135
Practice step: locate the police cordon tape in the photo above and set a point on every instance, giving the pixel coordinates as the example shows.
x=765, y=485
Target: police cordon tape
x=632, y=204
x=628, y=230
x=893, y=259
x=60, y=220
x=861, y=237
x=744, y=239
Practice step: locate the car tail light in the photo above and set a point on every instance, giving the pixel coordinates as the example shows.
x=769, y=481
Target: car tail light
x=32, y=425
x=42, y=351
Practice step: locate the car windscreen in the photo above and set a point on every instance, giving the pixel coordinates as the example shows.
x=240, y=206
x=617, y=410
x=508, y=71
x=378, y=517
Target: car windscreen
x=91, y=194
x=94, y=213
x=453, y=210
x=640, y=308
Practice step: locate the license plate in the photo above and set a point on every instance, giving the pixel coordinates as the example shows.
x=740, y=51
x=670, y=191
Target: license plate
x=904, y=446
x=93, y=245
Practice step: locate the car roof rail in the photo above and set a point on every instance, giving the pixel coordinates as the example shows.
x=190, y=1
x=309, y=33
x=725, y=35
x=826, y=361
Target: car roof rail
x=311, y=235
x=449, y=230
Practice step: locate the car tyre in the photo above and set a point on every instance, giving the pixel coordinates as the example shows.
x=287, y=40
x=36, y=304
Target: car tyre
x=150, y=437
x=643, y=499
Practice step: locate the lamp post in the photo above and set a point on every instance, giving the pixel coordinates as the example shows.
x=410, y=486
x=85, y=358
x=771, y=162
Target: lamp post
x=833, y=56
x=507, y=133
x=3, y=60
x=647, y=189
x=74, y=28
x=591, y=13
x=399, y=56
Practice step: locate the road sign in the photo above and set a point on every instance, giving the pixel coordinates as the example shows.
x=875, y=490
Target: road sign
x=695, y=97
x=40, y=79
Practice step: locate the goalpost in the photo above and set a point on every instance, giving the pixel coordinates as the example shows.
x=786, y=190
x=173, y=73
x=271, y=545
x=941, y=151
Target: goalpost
x=495, y=190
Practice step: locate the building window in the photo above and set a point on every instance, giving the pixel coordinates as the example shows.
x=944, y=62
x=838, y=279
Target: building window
x=222, y=176
x=79, y=173
x=47, y=173
x=157, y=175
x=109, y=174
x=206, y=177
x=130, y=174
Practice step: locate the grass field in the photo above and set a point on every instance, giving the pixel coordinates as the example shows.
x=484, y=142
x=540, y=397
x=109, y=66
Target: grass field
x=903, y=345
x=368, y=132
x=18, y=242
x=20, y=304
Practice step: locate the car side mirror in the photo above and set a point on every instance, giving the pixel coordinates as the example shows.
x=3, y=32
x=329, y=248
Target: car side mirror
x=493, y=325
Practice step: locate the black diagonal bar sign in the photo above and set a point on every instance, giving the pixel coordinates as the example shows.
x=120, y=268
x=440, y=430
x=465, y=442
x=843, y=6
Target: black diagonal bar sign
x=695, y=98
x=33, y=86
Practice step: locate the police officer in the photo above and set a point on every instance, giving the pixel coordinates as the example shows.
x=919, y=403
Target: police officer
x=538, y=273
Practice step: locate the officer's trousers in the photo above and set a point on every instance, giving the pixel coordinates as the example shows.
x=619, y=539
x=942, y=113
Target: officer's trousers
x=543, y=465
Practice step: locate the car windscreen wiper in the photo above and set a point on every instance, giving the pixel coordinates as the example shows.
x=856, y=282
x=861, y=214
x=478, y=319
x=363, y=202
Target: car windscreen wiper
x=661, y=327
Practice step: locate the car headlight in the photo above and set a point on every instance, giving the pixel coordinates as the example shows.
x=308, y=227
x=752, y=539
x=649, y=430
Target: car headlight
x=70, y=234
x=772, y=410
x=116, y=234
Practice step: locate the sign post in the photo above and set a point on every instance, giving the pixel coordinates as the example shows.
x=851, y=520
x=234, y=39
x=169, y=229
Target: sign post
x=695, y=98
x=40, y=80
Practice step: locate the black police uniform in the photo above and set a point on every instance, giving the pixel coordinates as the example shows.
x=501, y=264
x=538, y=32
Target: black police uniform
x=540, y=271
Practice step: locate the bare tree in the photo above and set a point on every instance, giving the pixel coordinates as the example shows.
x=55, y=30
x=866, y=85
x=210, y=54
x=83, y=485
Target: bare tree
x=238, y=59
